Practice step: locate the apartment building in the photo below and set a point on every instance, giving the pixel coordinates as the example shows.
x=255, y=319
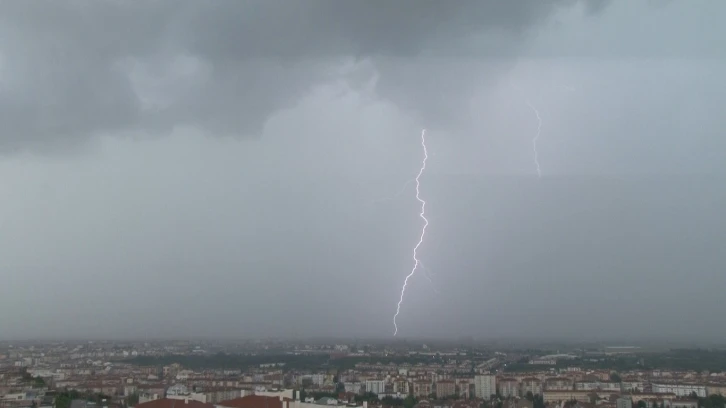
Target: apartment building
x=558, y=384
x=465, y=387
x=400, y=386
x=376, y=386
x=566, y=395
x=508, y=387
x=632, y=386
x=422, y=388
x=485, y=386
x=597, y=385
x=354, y=387
x=445, y=388
x=681, y=390
x=530, y=384
x=716, y=389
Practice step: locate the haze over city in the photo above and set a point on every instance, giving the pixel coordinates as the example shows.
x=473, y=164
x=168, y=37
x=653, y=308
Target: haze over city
x=222, y=169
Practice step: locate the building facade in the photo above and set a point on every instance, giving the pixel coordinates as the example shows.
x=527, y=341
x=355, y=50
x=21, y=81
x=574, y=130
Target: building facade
x=485, y=386
x=508, y=387
x=445, y=388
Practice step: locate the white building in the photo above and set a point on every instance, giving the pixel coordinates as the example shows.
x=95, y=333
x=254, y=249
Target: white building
x=531, y=384
x=597, y=385
x=177, y=389
x=540, y=361
x=681, y=390
x=184, y=374
x=508, y=387
x=146, y=397
x=193, y=396
x=286, y=393
x=376, y=386
x=318, y=379
x=485, y=386
x=632, y=386
x=354, y=387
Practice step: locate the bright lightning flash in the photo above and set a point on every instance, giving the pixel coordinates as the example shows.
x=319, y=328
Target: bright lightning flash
x=423, y=229
x=536, y=137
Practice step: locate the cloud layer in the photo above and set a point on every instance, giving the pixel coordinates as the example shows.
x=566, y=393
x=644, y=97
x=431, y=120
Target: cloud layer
x=121, y=194
x=74, y=69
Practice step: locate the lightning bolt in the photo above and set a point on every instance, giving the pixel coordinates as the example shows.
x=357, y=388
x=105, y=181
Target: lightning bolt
x=536, y=137
x=427, y=274
x=422, y=214
x=539, y=127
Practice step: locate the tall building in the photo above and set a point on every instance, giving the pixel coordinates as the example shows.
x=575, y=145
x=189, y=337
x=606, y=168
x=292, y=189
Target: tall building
x=422, y=388
x=485, y=386
x=400, y=385
x=465, y=387
x=531, y=384
x=376, y=386
x=508, y=387
x=445, y=388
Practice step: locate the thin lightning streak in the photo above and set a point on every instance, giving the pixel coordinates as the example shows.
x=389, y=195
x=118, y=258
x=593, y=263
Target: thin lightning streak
x=539, y=121
x=536, y=136
x=427, y=274
x=423, y=229
x=539, y=127
x=398, y=194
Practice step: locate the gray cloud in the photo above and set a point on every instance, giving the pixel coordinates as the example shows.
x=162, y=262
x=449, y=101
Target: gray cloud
x=174, y=231
x=79, y=68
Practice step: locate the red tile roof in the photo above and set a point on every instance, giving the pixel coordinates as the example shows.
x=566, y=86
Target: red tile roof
x=173, y=403
x=253, y=401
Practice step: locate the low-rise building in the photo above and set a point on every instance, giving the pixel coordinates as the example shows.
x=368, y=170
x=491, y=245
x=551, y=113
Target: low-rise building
x=681, y=390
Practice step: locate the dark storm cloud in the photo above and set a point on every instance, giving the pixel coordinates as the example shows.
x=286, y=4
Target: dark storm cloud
x=72, y=69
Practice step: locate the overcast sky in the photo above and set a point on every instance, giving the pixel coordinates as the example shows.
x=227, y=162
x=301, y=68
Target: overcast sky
x=221, y=168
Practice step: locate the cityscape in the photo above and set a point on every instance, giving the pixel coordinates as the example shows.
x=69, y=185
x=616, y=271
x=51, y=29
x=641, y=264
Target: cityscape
x=353, y=373
x=362, y=204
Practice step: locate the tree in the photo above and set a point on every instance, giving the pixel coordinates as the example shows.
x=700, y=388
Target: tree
x=615, y=377
x=38, y=382
x=409, y=402
x=712, y=401
x=63, y=399
x=368, y=396
x=390, y=401
x=642, y=404
x=132, y=400
x=529, y=396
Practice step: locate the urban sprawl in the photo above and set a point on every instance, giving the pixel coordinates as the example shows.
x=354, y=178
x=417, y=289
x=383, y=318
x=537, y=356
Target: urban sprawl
x=278, y=374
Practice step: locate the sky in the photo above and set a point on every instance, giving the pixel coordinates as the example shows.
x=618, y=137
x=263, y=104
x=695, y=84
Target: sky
x=242, y=169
